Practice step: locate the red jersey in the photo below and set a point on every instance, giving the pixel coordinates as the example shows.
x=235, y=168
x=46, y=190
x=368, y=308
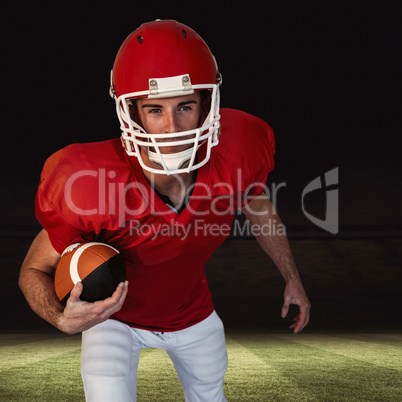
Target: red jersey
x=95, y=191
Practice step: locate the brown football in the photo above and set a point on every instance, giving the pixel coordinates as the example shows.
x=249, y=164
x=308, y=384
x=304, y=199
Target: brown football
x=99, y=266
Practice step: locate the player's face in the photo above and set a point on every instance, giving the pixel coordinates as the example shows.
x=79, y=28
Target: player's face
x=170, y=115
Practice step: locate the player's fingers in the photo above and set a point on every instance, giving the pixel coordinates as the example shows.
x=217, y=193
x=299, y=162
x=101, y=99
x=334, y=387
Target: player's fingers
x=285, y=308
x=287, y=301
x=76, y=292
x=114, y=302
x=121, y=291
x=296, y=325
x=301, y=320
x=125, y=289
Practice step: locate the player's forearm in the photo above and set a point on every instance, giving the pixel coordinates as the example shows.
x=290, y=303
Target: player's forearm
x=276, y=245
x=37, y=279
x=262, y=215
x=38, y=289
x=260, y=212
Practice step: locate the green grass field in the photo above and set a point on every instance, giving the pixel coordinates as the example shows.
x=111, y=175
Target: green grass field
x=263, y=366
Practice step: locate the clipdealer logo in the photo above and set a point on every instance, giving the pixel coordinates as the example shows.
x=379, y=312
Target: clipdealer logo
x=199, y=227
x=331, y=221
x=113, y=195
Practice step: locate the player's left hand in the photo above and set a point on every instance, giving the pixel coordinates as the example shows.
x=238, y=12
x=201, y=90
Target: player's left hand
x=295, y=294
x=80, y=315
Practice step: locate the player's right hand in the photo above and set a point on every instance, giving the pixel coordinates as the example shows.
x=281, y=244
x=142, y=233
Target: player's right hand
x=80, y=315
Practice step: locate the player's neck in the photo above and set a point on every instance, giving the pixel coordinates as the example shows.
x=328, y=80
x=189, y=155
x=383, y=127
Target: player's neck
x=176, y=181
x=174, y=186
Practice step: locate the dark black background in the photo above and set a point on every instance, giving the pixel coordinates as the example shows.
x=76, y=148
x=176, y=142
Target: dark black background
x=325, y=77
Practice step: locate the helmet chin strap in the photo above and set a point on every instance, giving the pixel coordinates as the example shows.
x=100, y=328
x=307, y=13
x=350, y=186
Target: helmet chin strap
x=172, y=161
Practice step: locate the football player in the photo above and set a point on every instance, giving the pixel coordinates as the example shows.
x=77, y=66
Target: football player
x=166, y=200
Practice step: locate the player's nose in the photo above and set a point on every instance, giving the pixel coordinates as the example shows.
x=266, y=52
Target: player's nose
x=171, y=125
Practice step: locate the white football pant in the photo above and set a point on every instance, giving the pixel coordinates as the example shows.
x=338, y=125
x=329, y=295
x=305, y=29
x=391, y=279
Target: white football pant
x=111, y=351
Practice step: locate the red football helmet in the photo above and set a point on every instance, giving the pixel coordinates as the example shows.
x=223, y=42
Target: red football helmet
x=164, y=59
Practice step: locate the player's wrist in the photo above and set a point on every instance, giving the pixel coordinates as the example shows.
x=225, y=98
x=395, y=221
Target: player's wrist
x=60, y=320
x=293, y=281
x=64, y=325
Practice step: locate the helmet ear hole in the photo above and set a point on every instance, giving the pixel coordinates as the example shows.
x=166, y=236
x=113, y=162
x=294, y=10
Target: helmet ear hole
x=184, y=33
x=205, y=97
x=140, y=39
x=132, y=108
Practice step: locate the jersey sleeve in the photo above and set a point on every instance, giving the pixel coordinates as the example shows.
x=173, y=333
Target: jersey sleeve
x=261, y=151
x=52, y=207
x=61, y=232
x=246, y=151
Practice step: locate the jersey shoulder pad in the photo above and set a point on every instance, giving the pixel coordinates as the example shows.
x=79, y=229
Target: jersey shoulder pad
x=246, y=143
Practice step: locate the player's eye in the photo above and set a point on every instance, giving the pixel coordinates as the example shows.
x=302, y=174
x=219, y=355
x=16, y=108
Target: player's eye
x=184, y=108
x=154, y=111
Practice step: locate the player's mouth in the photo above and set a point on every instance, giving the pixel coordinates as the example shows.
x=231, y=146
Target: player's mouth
x=172, y=149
